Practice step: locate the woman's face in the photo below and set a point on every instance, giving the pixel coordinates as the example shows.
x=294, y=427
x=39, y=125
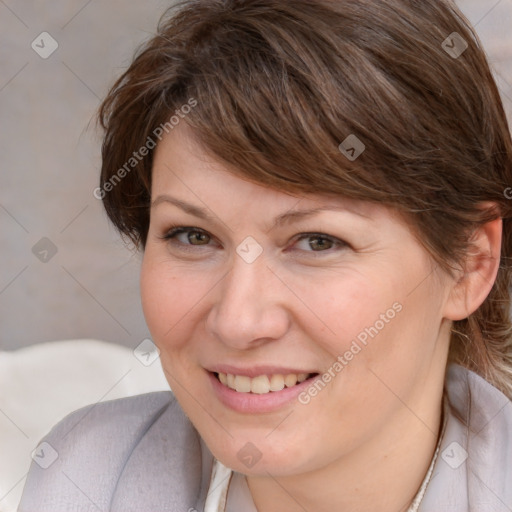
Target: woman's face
x=268, y=289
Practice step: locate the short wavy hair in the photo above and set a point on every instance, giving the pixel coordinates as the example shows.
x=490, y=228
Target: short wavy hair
x=277, y=86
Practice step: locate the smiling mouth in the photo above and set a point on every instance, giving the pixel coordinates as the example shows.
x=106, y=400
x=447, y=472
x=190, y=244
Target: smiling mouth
x=262, y=384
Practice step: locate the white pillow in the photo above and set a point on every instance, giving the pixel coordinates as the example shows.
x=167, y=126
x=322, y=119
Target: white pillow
x=41, y=384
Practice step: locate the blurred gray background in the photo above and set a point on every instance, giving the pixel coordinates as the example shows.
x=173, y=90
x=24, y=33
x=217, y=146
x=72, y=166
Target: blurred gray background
x=64, y=272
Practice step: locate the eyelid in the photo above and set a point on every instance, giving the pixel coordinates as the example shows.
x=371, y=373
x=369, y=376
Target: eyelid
x=175, y=230
x=335, y=240
x=171, y=233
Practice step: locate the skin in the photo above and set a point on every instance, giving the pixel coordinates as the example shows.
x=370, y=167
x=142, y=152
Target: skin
x=367, y=439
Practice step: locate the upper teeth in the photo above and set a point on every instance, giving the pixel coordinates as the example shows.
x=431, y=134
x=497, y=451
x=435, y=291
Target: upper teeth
x=262, y=383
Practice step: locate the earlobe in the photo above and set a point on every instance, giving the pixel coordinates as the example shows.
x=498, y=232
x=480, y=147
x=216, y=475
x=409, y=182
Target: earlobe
x=479, y=273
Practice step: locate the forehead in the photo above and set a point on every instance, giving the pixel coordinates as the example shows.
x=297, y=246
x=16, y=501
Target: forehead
x=183, y=168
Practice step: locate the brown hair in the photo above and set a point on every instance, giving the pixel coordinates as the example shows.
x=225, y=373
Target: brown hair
x=277, y=86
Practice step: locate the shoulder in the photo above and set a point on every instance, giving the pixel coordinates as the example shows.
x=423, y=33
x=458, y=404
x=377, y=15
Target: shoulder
x=96, y=455
x=476, y=403
x=113, y=423
x=474, y=467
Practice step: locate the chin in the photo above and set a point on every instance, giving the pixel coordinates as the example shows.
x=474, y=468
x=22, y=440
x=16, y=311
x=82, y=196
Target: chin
x=259, y=456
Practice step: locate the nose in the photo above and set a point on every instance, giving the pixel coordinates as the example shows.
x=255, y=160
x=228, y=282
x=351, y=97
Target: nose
x=249, y=306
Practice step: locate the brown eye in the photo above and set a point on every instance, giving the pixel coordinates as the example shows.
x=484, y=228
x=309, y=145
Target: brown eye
x=320, y=243
x=198, y=238
x=193, y=236
x=315, y=242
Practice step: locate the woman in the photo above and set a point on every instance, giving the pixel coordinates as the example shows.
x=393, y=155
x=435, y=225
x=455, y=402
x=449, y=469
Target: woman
x=318, y=191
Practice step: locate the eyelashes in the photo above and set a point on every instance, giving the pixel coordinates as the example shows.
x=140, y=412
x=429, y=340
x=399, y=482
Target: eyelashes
x=320, y=239
x=177, y=230
x=326, y=243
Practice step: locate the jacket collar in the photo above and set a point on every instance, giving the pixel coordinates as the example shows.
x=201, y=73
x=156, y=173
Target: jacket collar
x=474, y=471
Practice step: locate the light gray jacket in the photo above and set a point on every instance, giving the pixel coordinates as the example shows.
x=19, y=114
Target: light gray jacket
x=141, y=454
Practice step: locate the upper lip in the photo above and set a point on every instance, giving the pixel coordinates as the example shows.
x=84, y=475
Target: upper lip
x=256, y=370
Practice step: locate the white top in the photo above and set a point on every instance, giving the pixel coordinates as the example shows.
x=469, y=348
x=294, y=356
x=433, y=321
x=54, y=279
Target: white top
x=229, y=492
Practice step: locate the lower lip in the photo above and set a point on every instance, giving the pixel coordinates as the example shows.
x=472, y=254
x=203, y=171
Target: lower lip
x=254, y=403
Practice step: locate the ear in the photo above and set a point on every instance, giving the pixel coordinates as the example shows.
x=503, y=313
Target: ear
x=477, y=276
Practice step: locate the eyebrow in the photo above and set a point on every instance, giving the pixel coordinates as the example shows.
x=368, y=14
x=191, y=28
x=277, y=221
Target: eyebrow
x=284, y=218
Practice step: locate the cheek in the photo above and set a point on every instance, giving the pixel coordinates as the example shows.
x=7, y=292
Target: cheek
x=342, y=308
x=154, y=299
x=369, y=319
x=173, y=299
x=386, y=326
x=164, y=297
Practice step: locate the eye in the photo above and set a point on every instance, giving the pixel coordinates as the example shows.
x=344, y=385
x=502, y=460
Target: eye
x=318, y=242
x=186, y=237
x=192, y=236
